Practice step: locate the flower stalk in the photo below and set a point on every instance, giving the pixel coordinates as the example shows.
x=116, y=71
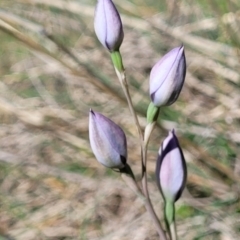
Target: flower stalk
x=171, y=175
x=107, y=139
x=148, y=203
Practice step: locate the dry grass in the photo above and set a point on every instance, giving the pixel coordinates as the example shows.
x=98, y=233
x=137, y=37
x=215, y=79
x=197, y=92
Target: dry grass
x=53, y=70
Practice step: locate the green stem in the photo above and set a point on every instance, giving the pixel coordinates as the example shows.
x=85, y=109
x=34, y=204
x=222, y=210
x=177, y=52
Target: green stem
x=169, y=210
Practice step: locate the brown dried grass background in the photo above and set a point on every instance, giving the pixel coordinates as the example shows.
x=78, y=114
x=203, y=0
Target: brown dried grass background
x=53, y=70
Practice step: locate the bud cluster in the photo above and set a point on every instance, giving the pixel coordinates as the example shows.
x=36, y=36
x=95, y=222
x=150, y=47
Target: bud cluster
x=108, y=140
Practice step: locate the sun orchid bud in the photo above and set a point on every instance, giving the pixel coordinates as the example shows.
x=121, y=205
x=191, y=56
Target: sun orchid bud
x=167, y=77
x=171, y=170
x=107, y=140
x=108, y=25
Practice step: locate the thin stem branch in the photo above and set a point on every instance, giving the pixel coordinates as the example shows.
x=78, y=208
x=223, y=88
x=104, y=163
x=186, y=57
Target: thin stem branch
x=148, y=205
x=173, y=231
x=124, y=85
x=144, y=196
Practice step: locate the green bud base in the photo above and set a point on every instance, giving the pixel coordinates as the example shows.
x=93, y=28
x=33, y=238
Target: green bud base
x=152, y=113
x=117, y=61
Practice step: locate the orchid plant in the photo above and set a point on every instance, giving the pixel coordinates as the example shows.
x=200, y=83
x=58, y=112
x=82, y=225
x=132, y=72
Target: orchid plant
x=108, y=141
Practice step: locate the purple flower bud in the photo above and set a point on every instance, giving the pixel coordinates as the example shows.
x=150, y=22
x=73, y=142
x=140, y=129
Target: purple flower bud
x=171, y=170
x=107, y=140
x=108, y=25
x=167, y=77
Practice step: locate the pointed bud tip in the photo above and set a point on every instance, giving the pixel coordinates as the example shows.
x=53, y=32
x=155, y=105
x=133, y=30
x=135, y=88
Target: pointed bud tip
x=91, y=113
x=172, y=132
x=181, y=46
x=181, y=49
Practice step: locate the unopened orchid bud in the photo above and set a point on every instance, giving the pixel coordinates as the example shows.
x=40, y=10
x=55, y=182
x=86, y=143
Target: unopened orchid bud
x=108, y=25
x=107, y=140
x=171, y=170
x=167, y=77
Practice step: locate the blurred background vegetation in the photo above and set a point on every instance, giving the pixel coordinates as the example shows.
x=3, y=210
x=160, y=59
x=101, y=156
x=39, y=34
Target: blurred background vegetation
x=53, y=69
